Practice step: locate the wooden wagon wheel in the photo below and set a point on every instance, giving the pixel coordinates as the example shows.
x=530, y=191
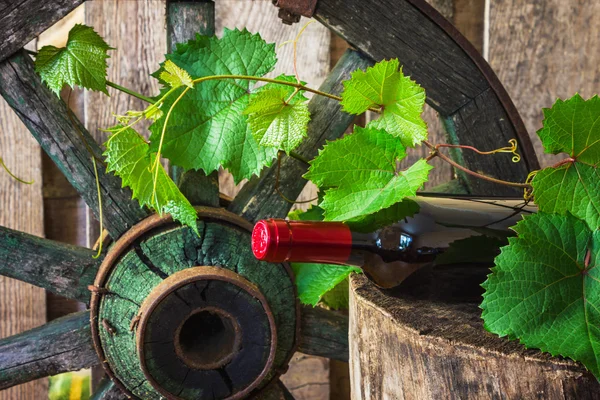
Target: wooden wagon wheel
x=185, y=317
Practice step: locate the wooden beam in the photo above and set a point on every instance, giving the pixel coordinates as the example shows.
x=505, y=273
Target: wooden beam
x=258, y=199
x=60, y=268
x=324, y=333
x=67, y=142
x=457, y=80
x=62, y=345
x=23, y=20
x=185, y=19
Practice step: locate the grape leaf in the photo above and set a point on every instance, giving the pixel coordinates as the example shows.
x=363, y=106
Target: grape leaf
x=82, y=62
x=545, y=288
x=363, y=175
x=175, y=76
x=338, y=297
x=572, y=127
x=401, y=100
x=208, y=128
x=387, y=216
x=570, y=188
x=276, y=120
x=127, y=155
x=314, y=280
x=368, y=223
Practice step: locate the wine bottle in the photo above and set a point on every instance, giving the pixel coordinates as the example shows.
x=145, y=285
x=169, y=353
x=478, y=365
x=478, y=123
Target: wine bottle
x=390, y=254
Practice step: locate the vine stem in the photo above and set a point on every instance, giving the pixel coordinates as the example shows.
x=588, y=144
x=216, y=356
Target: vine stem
x=436, y=153
x=130, y=92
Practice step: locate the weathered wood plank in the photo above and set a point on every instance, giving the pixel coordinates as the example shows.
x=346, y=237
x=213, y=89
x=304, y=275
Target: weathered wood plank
x=426, y=340
x=324, y=333
x=23, y=20
x=258, y=198
x=62, y=345
x=185, y=19
x=443, y=62
x=22, y=306
x=107, y=390
x=544, y=50
x=67, y=142
x=60, y=268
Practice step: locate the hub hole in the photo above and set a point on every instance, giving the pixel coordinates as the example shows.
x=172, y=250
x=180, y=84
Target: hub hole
x=207, y=339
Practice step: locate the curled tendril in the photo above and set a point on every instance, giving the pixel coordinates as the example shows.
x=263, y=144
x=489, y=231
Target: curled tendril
x=528, y=192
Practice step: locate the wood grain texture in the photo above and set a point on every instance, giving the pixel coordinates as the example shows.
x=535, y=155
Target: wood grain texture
x=63, y=269
x=324, y=333
x=426, y=341
x=185, y=19
x=452, y=79
x=67, y=142
x=23, y=20
x=313, y=53
x=62, y=345
x=544, y=50
x=258, y=199
x=22, y=306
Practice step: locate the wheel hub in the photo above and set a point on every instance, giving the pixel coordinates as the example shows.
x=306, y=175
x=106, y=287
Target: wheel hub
x=185, y=317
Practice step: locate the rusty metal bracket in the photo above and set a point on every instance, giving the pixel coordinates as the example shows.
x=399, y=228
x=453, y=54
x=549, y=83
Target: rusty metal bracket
x=290, y=11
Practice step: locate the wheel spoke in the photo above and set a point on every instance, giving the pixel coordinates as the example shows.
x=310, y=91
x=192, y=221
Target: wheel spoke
x=58, y=267
x=108, y=390
x=62, y=345
x=67, y=142
x=258, y=198
x=184, y=21
x=17, y=21
x=324, y=333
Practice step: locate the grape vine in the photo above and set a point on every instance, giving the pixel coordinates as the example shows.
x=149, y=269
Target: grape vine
x=218, y=109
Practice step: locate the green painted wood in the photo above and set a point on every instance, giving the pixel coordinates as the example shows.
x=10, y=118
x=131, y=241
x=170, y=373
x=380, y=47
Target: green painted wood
x=460, y=85
x=62, y=345
x=61, y=268
x=229, y=247
x=324, y=333
x=258, y=198
x=67, y=143
x=23, y=20
x=170, y=250
x=185, y=19
x=107, y=390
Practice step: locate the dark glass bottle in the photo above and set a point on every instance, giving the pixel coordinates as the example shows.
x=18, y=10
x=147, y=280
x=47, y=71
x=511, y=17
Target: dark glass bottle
x=388, y=255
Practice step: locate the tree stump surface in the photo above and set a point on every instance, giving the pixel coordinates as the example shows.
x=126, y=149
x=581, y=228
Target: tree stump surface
x=425, y=340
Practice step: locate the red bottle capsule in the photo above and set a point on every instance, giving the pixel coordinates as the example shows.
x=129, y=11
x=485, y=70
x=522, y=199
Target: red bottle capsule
x=278, y=240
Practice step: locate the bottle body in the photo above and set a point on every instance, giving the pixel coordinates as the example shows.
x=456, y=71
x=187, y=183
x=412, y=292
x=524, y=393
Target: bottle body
x=388, y=255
